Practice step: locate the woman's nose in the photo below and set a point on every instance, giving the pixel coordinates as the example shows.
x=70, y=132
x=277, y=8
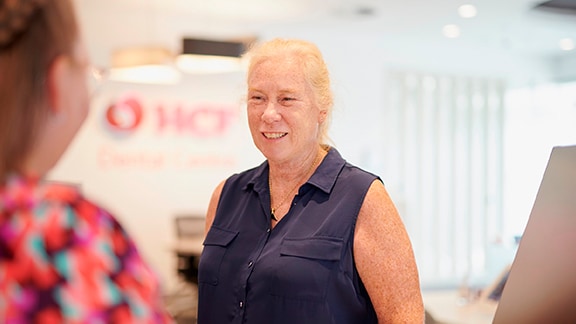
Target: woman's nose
x=271, y=113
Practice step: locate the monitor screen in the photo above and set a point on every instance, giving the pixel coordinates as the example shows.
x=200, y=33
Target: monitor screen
x=541, y=285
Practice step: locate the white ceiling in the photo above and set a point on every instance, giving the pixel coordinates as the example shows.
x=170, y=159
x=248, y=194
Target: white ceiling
x=501, y=25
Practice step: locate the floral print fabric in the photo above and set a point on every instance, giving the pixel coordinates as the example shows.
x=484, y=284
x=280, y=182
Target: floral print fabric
x=63, y=259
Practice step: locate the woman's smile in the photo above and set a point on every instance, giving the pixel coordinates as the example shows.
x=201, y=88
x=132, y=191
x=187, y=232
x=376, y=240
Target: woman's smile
x=274, y=135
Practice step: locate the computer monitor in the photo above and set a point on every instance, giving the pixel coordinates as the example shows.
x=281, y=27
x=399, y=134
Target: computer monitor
x=541, y=285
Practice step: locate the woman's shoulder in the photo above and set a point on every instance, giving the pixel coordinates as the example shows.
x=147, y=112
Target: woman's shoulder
x=344, y=169
x=51, y=209
x=66, y=198
x=353, y=175
x=19, y=193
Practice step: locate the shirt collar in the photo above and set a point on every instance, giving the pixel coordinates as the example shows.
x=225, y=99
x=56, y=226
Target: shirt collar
x=324, y=178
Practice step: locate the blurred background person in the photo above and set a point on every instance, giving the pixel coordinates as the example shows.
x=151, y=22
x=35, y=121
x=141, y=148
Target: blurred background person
x=63, y=259
x=305, y=237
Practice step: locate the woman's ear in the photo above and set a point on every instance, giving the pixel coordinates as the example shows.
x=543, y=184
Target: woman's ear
x=56, y=83
x=322, y=116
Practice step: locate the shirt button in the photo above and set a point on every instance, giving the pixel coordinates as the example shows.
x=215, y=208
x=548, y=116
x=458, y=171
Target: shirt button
x=268, y=231
x=250, y=264
x=241, y=304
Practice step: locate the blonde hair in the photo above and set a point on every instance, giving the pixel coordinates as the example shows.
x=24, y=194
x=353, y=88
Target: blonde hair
x=42, y=30
x=313, y=66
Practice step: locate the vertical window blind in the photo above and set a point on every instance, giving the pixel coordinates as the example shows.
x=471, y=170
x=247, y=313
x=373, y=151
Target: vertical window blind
x=443, y=160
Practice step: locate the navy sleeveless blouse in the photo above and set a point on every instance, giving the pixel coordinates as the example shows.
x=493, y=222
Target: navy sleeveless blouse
x=302, y=271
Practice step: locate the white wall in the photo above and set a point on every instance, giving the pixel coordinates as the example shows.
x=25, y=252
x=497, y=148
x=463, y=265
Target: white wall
x=538, y=118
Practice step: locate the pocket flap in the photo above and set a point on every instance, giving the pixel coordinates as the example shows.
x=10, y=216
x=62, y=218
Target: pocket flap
x=323, y=248
x=219, y=236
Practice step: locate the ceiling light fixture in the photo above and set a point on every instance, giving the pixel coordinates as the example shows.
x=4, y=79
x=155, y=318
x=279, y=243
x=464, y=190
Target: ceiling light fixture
x=202, y=56
x=145, y=64
x=451, y=31
x=467, y=11
x=566, y=44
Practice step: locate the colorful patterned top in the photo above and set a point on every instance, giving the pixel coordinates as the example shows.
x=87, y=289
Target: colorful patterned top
x=65, y=260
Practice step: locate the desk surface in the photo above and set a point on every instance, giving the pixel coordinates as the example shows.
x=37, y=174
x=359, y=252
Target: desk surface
x=189, y=246
x=445, y=308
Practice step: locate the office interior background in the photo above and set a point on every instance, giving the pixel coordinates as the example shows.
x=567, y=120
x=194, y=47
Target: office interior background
x=455, y=107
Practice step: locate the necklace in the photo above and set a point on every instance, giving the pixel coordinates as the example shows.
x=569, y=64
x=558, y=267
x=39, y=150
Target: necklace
x=274, y=209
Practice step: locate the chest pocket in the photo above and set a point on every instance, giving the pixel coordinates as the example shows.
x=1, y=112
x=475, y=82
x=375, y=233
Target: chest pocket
x=305, y=267
x=215, y=245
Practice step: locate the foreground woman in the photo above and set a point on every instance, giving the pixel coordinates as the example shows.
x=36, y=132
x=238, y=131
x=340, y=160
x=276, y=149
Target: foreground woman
x=63, y=259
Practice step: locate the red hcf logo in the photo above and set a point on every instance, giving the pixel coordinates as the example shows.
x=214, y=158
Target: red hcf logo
x=124, y=116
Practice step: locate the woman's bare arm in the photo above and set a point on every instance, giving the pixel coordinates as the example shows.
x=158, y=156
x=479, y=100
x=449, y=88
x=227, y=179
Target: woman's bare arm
x=385, y=260
x=212, y=206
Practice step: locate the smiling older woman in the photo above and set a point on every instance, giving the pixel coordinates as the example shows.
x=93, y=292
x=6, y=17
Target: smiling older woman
x=305, y=237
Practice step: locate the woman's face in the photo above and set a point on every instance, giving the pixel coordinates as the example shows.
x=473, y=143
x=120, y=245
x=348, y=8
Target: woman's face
x=282, y=112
